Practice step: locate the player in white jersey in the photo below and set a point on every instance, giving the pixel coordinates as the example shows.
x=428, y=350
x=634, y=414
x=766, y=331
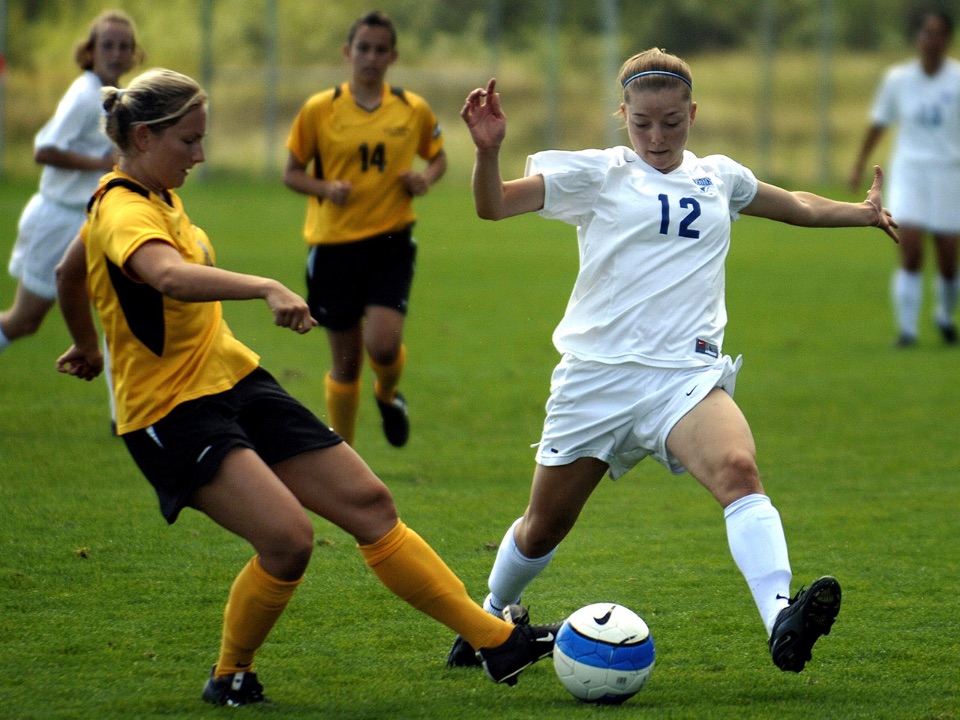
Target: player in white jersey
x=922, y=97
x=75, y=153
x=642, y=369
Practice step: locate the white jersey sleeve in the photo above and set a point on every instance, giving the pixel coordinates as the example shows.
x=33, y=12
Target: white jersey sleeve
x=575, y=181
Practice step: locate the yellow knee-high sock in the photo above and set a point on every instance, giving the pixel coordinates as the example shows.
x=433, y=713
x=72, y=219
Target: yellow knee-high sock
x=388, y=376
x=411, y=569
x=343, y=402
x=256, y=601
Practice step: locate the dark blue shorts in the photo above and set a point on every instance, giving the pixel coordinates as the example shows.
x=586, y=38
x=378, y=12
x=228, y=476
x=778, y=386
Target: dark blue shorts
x=184, y=450
x=345, y=278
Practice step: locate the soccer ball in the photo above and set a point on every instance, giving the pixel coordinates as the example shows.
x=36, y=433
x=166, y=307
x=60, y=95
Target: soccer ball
x=604, y=653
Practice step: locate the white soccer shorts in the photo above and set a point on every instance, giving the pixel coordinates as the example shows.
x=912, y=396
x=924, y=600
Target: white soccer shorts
x=622, y=413
x=925, y=196
x=45, y=230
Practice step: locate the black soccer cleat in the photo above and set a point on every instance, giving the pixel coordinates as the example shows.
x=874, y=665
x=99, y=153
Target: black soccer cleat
x=463, y=654
x=241, y=688
x=526, y=645
x=396, y=424
x=949, y=333
x=905, y=340
x=809, y=615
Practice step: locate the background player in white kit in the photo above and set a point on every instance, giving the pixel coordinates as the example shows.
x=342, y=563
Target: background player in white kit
x=75, y=152
x=642, y=371
x=922, y=97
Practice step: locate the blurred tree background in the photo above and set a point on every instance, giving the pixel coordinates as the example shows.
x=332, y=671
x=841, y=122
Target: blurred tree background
x=783, y=85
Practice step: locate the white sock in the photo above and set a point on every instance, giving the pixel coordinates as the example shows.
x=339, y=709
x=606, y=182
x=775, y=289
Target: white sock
x=758, y=546
x=946, y=294
x=511, y=573
x=4, y=341
x=906, y=290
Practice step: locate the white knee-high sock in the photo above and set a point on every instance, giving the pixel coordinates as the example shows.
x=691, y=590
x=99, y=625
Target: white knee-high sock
x=759, y=548
x=511, y=573
x=4, y=341
x=906, y=291
x=946, y=293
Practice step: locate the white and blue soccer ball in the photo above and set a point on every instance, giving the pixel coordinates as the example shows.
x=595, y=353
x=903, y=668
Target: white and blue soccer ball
x=604, y=653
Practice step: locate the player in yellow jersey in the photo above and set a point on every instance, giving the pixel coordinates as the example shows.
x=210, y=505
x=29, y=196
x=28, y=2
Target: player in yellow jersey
x=211, y=429
x=352, y=150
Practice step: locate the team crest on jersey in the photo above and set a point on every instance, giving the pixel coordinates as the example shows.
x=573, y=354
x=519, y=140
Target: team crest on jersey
x=703, y=183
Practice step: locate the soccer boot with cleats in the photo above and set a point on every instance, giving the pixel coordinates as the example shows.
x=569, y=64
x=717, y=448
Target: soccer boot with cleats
x=396, y=424
x=810, y=614
x=241, y=688
x=463, y=654
x=905, y=340
x=526, y=644
x=949, y=332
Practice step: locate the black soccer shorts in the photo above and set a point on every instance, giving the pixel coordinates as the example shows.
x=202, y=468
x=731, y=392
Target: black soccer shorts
x=184, y=450
x=343, y=279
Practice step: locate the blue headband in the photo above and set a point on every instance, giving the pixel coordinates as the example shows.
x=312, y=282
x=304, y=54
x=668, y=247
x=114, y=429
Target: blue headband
x=657, y=72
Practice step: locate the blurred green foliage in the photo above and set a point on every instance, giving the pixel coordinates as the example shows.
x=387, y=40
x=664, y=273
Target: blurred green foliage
x=314, y=31
x=556, y=79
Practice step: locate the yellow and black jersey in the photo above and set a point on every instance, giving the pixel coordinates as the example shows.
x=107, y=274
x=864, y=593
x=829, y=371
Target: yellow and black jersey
x=162, y=351
x=369, y=149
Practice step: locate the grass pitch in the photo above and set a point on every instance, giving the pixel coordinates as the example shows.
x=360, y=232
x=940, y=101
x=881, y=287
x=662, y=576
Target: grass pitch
x=108, y=613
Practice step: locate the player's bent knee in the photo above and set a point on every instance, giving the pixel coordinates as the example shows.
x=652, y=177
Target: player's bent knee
x=370, y=515
x=384, y=354
x=382, y=507
x=740, y=475
x=289, y=548
x=286, y=563
x=733, y=476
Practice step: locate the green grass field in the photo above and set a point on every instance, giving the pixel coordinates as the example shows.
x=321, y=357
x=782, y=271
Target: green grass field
x=107, y=613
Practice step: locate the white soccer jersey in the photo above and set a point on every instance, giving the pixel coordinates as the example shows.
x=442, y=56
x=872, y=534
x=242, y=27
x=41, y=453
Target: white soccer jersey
x=927, y=110
x=652, y=251
x=76, y=127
